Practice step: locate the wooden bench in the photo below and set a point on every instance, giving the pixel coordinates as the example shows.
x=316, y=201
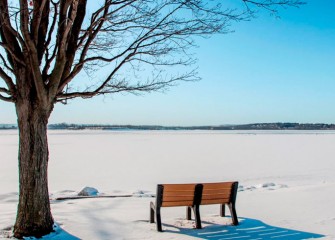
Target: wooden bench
x=192, y=196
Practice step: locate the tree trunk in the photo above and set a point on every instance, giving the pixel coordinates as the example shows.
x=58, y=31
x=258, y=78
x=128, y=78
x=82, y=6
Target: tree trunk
x=33, y=215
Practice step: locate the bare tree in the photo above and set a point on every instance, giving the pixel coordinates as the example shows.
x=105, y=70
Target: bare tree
x=46, y=45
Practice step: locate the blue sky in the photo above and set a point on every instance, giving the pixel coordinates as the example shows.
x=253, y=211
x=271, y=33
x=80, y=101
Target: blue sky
x=268, y=70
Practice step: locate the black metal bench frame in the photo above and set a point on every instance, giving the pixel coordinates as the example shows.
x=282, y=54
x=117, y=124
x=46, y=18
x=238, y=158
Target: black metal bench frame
x=155, y=209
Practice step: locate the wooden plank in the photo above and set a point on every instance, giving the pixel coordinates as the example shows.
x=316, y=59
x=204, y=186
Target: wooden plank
x=178, y=198
x=226, y=191
x=220, y=185
x=179, y=193
x=177, y=204
x=179, y=187
x=215, y=201
x=215, y=196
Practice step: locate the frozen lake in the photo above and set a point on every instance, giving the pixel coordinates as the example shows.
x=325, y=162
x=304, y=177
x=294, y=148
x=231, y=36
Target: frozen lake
x=130, y=160
x=286, y=179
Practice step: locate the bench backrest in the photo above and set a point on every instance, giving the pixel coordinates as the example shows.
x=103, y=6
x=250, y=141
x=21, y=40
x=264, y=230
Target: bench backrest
x=173, y=195
x=218, y=193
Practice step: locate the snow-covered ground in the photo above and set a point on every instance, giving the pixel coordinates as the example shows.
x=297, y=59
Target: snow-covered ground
x=287, y=182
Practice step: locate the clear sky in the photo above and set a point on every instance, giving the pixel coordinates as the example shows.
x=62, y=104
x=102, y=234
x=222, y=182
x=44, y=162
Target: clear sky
x=268, y=70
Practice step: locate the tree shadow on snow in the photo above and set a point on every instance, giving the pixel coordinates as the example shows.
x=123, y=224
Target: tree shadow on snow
x=248, y=229
x=58, y=234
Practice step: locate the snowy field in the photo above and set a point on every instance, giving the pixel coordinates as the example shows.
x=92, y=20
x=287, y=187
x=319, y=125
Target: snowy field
x=287, y=182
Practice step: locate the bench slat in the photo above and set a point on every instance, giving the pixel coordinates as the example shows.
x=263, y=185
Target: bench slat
x=178, y=187
x=179, y=193
x=177, y=203
x=226, y=191
x=178, y=198
x=223, y=185
x=215, y=201
x=215, y=196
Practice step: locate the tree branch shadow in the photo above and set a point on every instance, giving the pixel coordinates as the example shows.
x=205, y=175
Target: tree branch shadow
x=248, y=229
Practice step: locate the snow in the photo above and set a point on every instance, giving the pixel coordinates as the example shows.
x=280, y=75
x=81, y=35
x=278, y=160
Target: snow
x=286, y=191
x=88, y=191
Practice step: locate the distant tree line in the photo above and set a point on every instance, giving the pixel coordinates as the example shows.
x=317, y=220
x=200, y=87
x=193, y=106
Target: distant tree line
x=253, y=126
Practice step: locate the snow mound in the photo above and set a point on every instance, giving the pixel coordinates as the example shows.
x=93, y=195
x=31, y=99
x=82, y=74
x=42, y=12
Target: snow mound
x=88, y=191
x=143, y=193
x=262, y=186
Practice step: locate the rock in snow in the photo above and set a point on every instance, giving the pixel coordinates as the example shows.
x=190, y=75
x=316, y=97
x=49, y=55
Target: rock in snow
x=88, y=191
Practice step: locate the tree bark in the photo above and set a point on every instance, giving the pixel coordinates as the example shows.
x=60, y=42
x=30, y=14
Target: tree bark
x=33, y=215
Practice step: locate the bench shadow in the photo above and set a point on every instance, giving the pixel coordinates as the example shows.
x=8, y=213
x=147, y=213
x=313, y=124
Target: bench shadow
x=247, y=229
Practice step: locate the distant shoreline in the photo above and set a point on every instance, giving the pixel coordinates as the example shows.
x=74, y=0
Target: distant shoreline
x=253, y=126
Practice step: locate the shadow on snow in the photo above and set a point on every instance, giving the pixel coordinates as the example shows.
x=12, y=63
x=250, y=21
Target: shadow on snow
x=58, y=234
x=247, y=230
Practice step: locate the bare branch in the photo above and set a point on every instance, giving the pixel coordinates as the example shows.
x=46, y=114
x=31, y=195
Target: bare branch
x=271, y=5
x=91, y=34
x=54, y=20
x=9, y=36
x=8, y=80
x=123, y=35
x=66, y=27
x=12, y=54
x=5, y=64
x=72, y=43
x=124, y=86
x=39, y=25
x=31, y=54
x=49, y=59
x=6, y=91
x=36, y=27
x=6, y=99
x=151, y=33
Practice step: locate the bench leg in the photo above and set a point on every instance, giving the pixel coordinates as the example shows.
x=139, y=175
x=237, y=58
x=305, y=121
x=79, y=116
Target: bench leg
x=188, y=213
x=152, y=212
x=196, y=210
x=233, y=213
x=155, y=211
x=158, y=220
x=222, y=210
